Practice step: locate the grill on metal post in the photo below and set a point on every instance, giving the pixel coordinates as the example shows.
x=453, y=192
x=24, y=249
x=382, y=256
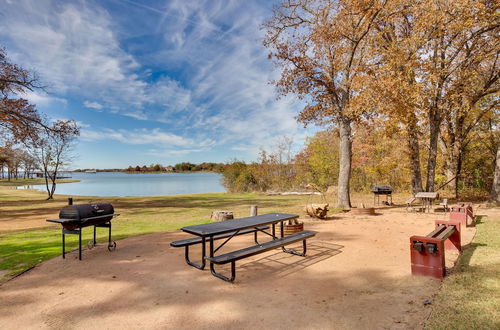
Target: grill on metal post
x=74, y=217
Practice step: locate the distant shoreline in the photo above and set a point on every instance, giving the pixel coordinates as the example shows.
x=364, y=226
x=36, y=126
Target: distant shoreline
x=140, y=172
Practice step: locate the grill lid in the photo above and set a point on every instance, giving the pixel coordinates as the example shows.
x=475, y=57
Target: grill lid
x=382, y=189
x=81, y=212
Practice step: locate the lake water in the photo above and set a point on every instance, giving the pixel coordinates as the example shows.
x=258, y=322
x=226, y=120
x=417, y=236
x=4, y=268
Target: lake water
x=123, y=184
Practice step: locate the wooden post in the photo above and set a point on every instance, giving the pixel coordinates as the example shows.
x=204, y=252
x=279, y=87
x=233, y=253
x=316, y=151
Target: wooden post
x=253, y=210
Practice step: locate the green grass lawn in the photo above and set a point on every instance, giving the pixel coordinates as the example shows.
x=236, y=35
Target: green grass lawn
x=22, y=249
x=470, y=295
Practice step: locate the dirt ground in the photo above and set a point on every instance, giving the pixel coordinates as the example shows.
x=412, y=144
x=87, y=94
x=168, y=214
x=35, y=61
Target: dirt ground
x=356, y=276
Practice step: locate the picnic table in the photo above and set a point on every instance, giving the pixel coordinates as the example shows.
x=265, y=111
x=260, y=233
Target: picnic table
x=228, y=229
x=427, y=199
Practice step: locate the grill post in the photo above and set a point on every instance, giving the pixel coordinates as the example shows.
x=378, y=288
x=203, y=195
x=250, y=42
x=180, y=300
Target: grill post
x=80, y=243
x=63, y=244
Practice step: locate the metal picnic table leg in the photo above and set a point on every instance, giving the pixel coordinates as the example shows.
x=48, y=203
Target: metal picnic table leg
x=304, y=248
x=212, y=266
x=203, y=254
x=255, y=237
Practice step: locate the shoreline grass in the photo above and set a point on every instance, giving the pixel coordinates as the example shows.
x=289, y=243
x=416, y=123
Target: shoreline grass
x=470, y=295
x=29, y=182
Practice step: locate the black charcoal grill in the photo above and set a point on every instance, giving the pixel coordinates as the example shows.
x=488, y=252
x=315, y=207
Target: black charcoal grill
x=74, y=217
x=379, y=190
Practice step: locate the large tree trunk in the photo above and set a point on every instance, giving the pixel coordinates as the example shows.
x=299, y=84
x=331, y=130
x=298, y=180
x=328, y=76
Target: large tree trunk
x=414, y=153
x=495, y=189
x=452, y=148
x=345, y=158
x=453, y=165
x=434, y=124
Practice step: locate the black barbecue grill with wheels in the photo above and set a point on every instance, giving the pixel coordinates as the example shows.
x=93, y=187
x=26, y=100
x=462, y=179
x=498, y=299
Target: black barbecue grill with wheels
x=379, y=190
x=74, y=217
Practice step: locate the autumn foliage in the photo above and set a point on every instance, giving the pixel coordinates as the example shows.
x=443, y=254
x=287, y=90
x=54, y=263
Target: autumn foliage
x=425, y=71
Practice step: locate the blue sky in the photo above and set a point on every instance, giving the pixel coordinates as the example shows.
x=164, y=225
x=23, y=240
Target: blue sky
x=153, y=81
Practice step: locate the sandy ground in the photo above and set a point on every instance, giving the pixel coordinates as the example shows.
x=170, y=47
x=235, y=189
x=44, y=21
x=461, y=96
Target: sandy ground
x=356, y=276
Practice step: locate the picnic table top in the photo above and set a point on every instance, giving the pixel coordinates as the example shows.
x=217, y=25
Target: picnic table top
x=227, y=226
x=424, y=194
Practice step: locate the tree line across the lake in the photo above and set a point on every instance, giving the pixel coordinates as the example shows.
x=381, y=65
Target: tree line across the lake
x=155, y=168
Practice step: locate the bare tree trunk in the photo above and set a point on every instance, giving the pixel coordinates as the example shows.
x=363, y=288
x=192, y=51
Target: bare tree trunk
x=53, y=188
x=414, y=153
x=345, y=158
x=495, y=189
x=433, y=148
x=46, y=176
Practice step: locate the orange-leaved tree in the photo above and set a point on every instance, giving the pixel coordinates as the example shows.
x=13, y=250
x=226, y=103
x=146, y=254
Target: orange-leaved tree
x=436, y=62
x=320, y=45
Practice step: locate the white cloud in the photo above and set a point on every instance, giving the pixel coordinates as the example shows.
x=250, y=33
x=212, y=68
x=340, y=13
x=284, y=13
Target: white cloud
x=227, y=95
x=93, y=105
x=222, y=94
x=166, y=153
x=43, y=99
x=81, y=124
x=137, y=137
x=74, y=48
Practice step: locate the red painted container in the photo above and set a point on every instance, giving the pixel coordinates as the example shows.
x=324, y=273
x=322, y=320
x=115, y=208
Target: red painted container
x=462, y=212
x=427, y=253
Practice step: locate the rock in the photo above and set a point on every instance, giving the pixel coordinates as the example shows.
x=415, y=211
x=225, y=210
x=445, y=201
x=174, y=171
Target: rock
x=317, y=210
x=221, y=216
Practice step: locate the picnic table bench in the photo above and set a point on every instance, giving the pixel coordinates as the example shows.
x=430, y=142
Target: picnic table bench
x=231, y=228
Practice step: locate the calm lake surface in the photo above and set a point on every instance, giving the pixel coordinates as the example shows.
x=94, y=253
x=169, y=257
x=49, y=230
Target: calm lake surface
x=123, y=184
